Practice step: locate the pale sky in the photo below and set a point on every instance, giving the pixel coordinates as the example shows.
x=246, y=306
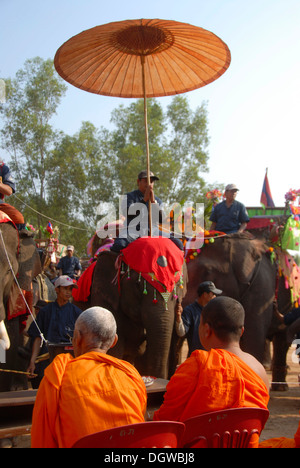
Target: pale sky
x=253, y=108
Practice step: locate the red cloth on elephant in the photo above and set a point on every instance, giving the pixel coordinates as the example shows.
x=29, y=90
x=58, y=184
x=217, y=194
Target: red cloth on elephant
x=10, y=211
x=4, y=218
x=84, y=284
x=158, y=260
x=16, y=305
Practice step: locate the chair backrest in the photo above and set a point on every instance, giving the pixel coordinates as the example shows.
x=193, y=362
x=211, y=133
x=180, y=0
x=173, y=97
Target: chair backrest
x=229, y=428
x=152, y=434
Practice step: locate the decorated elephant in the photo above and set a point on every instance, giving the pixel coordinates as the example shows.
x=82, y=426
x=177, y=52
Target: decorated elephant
x=141, y=287
x=18, y=253
x=241, y=267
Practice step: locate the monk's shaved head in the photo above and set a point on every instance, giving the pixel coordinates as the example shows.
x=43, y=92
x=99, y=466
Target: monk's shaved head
x=99, y=325
x=225, y=316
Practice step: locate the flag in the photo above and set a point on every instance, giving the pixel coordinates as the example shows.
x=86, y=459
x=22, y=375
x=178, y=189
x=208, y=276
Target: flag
x=49, y=228
x=266, y=196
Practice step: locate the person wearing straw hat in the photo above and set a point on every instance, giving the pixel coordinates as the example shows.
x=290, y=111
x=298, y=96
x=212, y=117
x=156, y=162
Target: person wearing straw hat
x=230, y=215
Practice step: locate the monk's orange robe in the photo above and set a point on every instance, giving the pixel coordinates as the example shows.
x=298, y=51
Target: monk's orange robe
x=81, y=396
x=282, y=442
x=211, y=381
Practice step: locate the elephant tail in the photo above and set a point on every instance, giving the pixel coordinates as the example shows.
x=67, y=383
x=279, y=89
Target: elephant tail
x=118, y=264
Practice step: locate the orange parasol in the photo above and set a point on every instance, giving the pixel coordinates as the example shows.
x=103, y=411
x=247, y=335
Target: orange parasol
x=142, y=58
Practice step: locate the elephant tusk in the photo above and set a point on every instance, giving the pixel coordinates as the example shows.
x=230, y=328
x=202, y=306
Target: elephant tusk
x=4, y=339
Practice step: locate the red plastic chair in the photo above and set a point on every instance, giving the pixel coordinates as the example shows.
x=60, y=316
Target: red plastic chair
x=152, y=434
x=230, y=428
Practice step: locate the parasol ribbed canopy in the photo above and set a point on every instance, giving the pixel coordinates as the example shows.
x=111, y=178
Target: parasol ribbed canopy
x=108, y=59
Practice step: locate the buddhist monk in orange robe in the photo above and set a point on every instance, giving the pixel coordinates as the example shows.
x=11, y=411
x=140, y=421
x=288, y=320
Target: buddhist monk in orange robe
x=221, y=377
x=89, y=393
x=282, y=442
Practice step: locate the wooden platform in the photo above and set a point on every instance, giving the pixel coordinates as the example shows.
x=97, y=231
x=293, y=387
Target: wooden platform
x=16, y=413
x=16, y=408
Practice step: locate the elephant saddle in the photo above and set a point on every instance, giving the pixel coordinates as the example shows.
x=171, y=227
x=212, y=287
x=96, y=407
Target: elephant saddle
x=158, y=260
x=4, y=218
x=16, y=306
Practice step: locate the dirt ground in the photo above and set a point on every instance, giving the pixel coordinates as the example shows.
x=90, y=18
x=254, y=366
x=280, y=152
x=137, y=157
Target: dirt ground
x=284, y=408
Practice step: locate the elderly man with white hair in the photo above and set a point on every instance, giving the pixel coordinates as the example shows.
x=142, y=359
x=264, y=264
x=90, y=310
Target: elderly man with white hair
x=89, y=393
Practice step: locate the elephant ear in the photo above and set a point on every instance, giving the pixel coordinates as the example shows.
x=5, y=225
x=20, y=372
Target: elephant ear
x=104, y=291
x=29, y=262
x=245, y=254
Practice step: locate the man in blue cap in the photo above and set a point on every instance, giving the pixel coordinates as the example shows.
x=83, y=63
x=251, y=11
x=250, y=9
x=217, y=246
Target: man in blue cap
x=188, y=319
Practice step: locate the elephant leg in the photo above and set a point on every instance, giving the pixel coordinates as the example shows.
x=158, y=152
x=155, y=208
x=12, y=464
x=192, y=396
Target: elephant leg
x=279, y=366
x=159, y=331
x=255, y=347
x=4, y=338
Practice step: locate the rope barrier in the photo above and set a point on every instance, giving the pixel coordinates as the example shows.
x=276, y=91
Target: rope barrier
x=51, y=219
x=21, y=292
x=286, y=383
x=18, y=372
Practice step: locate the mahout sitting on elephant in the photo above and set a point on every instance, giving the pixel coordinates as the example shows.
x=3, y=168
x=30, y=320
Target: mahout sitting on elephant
x=7, y=188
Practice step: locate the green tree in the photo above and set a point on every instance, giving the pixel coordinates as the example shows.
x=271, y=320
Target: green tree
x=187, y=149
x=128, y=141
x=178, y=141
x=27, y=135
x=66, y=177
x=98, y=165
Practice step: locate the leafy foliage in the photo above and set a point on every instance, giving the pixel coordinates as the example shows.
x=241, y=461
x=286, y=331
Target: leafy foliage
x=65, y=177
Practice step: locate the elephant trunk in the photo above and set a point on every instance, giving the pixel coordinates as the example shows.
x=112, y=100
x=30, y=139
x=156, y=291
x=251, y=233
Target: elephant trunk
x=4, y=339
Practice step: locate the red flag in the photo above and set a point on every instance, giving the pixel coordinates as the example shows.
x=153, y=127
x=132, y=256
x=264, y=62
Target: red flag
x=266, y=196
x=49, y=228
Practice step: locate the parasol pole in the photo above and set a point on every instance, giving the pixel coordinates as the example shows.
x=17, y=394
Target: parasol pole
x=147, y=139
